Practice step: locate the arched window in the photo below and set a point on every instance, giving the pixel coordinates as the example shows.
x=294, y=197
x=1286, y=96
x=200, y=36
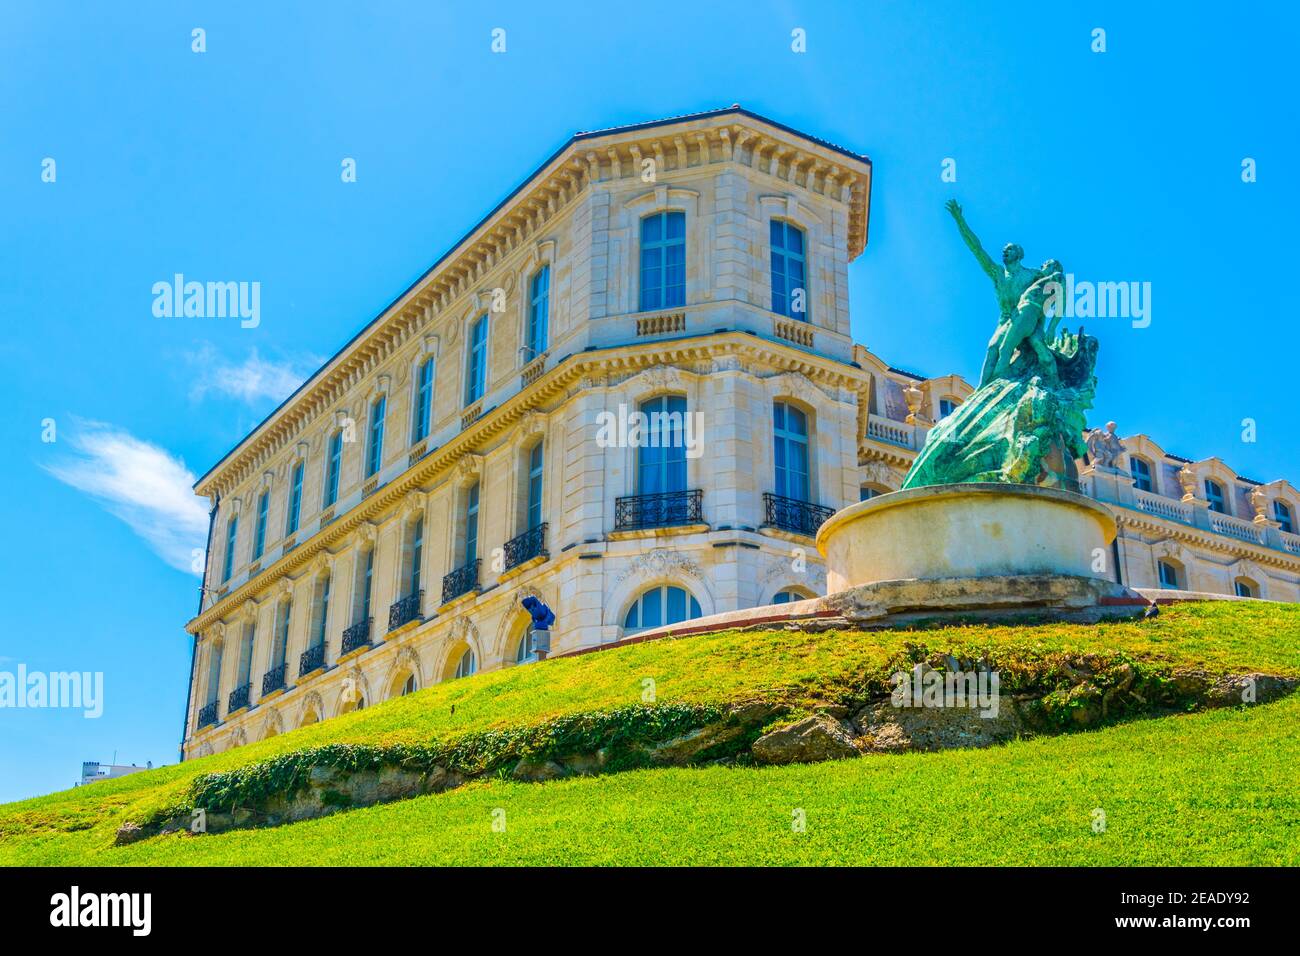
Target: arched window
x=663, y=260
x=1214, y=495
x=790, y=451
x=788, y=596
x=539, y=307
x=789, y=282
x=870, y=491
x=1140, y=469
x=375, y=453
x=660, y=606
x=408, y=687
x=423, y=401
x=526, y=649
x=333, y=463
x=1245, y=587
x=661, y=454
x=467, y=665
x=1169, y=577
x=1282, y=515
x=476, y=361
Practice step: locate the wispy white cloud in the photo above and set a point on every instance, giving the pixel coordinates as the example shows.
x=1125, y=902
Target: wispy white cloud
x=253, y=380
x=141, y=484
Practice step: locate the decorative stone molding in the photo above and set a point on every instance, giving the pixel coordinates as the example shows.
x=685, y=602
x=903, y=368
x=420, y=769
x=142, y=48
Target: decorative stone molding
x=469, y=469
x=659, y=563
x=796, y=386
x=1169, y=548
x=272, y=725
x=916, y=400
x=379, y=387
x=407, y=659
x=366, y=533
x=311, y=703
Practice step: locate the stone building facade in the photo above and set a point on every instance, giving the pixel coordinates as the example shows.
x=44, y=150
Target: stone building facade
x=629, y=391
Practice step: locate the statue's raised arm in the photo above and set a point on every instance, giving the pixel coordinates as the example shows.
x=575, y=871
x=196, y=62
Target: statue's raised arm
x=973, y=242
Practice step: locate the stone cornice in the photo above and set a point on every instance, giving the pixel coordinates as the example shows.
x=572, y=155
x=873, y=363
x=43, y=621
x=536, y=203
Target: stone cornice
x=439, y=298
x=577, y=373
x=1203, y=539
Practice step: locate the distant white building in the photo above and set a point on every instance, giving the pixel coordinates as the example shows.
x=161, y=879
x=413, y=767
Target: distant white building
x=93, y=770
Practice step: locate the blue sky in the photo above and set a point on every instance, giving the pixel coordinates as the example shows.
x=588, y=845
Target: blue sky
x=1125, y=165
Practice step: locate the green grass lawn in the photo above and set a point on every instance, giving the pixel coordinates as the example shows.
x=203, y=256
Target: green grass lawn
x=1207, y=788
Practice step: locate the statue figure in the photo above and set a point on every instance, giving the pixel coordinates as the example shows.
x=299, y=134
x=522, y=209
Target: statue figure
x=1104, y=447
x=1026, y=420
x=1010, y=283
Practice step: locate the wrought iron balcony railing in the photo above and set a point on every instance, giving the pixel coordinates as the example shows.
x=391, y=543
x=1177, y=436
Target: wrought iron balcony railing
x=313, y=659
x=662, y=510
x=273, y=679
x=461, y=581
x=531, y=544
x=791, y=514
x=208, y=715
x=405, y=610
x=357, y=636
x=238, y=698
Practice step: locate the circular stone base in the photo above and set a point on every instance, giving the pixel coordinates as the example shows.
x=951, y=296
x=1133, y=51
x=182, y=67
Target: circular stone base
x=967, y=531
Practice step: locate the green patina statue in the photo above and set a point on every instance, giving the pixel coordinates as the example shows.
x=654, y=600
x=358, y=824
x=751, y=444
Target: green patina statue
x=1025, y=422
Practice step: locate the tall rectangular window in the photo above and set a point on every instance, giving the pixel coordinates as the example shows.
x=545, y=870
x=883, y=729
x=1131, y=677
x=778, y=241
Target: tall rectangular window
x=423, y=401
x=663, y=261
x=228, y=565
x=1168, y=575
x=535, y=486
x=246, y=655
x=295, y=499
x=214, y=673
x=471, y=524
x=661, y=456
x=539, y=307
x=259, y=532
x=333, y=463
x=789, y=282
x=476, y=370
x=417, y=555
x=1141, y=472
x=1282, y=515
x=323, y=611
x=375, y=453
x=282, y=636
x=367, y=581
x=790, y=450
x=1214, y=495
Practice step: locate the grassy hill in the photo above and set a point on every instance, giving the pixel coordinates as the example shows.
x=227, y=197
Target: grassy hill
x=1204, y=788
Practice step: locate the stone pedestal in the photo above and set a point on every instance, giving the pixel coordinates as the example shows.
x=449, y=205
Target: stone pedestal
x=971, y=532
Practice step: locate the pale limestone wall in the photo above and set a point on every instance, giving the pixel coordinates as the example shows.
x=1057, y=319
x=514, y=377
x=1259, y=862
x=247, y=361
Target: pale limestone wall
x=581, y=217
